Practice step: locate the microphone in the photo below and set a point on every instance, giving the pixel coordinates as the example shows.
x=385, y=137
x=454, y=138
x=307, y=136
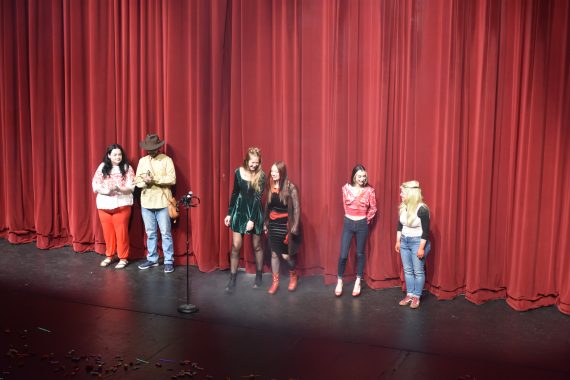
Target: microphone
x=186, y=199
x=189, y=200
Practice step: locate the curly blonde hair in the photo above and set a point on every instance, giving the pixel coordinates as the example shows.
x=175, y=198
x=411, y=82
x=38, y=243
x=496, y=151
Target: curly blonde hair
x=414, y=198
x=256, y=177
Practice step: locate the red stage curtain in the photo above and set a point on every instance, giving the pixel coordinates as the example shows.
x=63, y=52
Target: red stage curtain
x=468, y=97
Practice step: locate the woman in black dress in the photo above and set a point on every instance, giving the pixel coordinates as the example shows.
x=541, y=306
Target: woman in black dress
x=244, y=213
x=282, y=214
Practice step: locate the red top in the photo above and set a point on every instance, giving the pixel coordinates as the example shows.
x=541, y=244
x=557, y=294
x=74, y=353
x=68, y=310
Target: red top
x=363, y=204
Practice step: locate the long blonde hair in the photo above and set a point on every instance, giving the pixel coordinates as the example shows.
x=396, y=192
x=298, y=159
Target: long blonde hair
x=414, y=197
x=257, y=176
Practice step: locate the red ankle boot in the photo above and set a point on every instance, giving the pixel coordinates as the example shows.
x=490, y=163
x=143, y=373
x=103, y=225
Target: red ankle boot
x=275, y=284
x=293, y=278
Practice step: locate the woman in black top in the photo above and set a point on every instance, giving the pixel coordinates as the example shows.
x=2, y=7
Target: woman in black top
x=282, y=214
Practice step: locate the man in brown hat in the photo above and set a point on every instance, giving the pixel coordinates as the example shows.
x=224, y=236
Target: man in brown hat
x=155, y=175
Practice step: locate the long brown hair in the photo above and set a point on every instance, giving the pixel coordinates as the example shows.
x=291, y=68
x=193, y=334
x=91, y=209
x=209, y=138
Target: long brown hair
x=258, y=174
x=283, y=183
x=356, y=169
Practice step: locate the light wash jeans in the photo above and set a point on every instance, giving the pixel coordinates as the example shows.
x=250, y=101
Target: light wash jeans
x=414, y=273
x=151, y=218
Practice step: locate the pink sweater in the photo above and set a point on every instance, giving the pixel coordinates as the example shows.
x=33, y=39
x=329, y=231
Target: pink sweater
x=363, y=204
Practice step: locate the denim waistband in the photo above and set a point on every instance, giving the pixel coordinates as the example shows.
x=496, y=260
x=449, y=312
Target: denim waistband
x=355, y=221
x=411, y=237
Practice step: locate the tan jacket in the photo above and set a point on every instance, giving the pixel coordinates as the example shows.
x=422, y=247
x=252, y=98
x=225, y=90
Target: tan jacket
x=156, y=194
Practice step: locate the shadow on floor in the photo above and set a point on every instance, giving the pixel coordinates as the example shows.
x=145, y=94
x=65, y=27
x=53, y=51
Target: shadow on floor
x=63, y=316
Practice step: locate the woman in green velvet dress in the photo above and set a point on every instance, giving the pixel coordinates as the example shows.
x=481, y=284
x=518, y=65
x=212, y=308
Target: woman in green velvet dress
x=245, y=214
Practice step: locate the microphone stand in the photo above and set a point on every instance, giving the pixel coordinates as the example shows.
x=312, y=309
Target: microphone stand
x=186, y=201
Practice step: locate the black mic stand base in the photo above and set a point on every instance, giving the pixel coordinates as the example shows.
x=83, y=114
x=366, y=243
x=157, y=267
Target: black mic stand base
x=187, y=308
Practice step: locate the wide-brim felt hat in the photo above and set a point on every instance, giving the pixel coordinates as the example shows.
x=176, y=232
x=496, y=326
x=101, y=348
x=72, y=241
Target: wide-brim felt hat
x=151, y=142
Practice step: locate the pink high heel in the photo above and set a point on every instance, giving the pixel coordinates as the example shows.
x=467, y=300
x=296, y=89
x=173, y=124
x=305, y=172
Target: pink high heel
x=338, y=289
x=357, y=288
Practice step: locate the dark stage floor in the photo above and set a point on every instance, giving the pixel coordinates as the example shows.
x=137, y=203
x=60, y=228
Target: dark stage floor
x=62, y=316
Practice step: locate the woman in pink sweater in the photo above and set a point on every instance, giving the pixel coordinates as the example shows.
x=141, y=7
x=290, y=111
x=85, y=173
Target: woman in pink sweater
x=359, y=200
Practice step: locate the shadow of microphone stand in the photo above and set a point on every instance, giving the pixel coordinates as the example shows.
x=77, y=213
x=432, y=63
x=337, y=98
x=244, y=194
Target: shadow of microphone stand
x=187, y=201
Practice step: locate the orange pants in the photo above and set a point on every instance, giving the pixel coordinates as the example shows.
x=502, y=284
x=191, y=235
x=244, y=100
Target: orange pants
x=115, y=225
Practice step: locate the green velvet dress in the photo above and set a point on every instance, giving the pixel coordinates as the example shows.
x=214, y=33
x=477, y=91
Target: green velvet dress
x=245, y=205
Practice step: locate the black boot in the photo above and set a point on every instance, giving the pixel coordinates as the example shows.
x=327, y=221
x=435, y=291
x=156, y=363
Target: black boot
x=257, y=282
x=231, y=286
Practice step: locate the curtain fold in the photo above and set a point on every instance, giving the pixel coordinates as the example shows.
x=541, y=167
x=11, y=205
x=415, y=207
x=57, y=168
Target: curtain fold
x=469, y=98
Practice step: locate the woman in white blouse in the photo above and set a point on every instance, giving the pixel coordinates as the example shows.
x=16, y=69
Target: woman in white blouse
x=412, y=240
x=114, y=184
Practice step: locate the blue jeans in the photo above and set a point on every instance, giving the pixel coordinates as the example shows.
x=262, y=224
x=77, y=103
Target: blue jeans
x=414, y=273
x=358, y=228
x=151, y=218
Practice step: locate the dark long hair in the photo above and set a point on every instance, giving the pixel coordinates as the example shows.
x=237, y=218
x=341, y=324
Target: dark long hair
x=355, y=170
x=108, y=165
x=283, y=183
